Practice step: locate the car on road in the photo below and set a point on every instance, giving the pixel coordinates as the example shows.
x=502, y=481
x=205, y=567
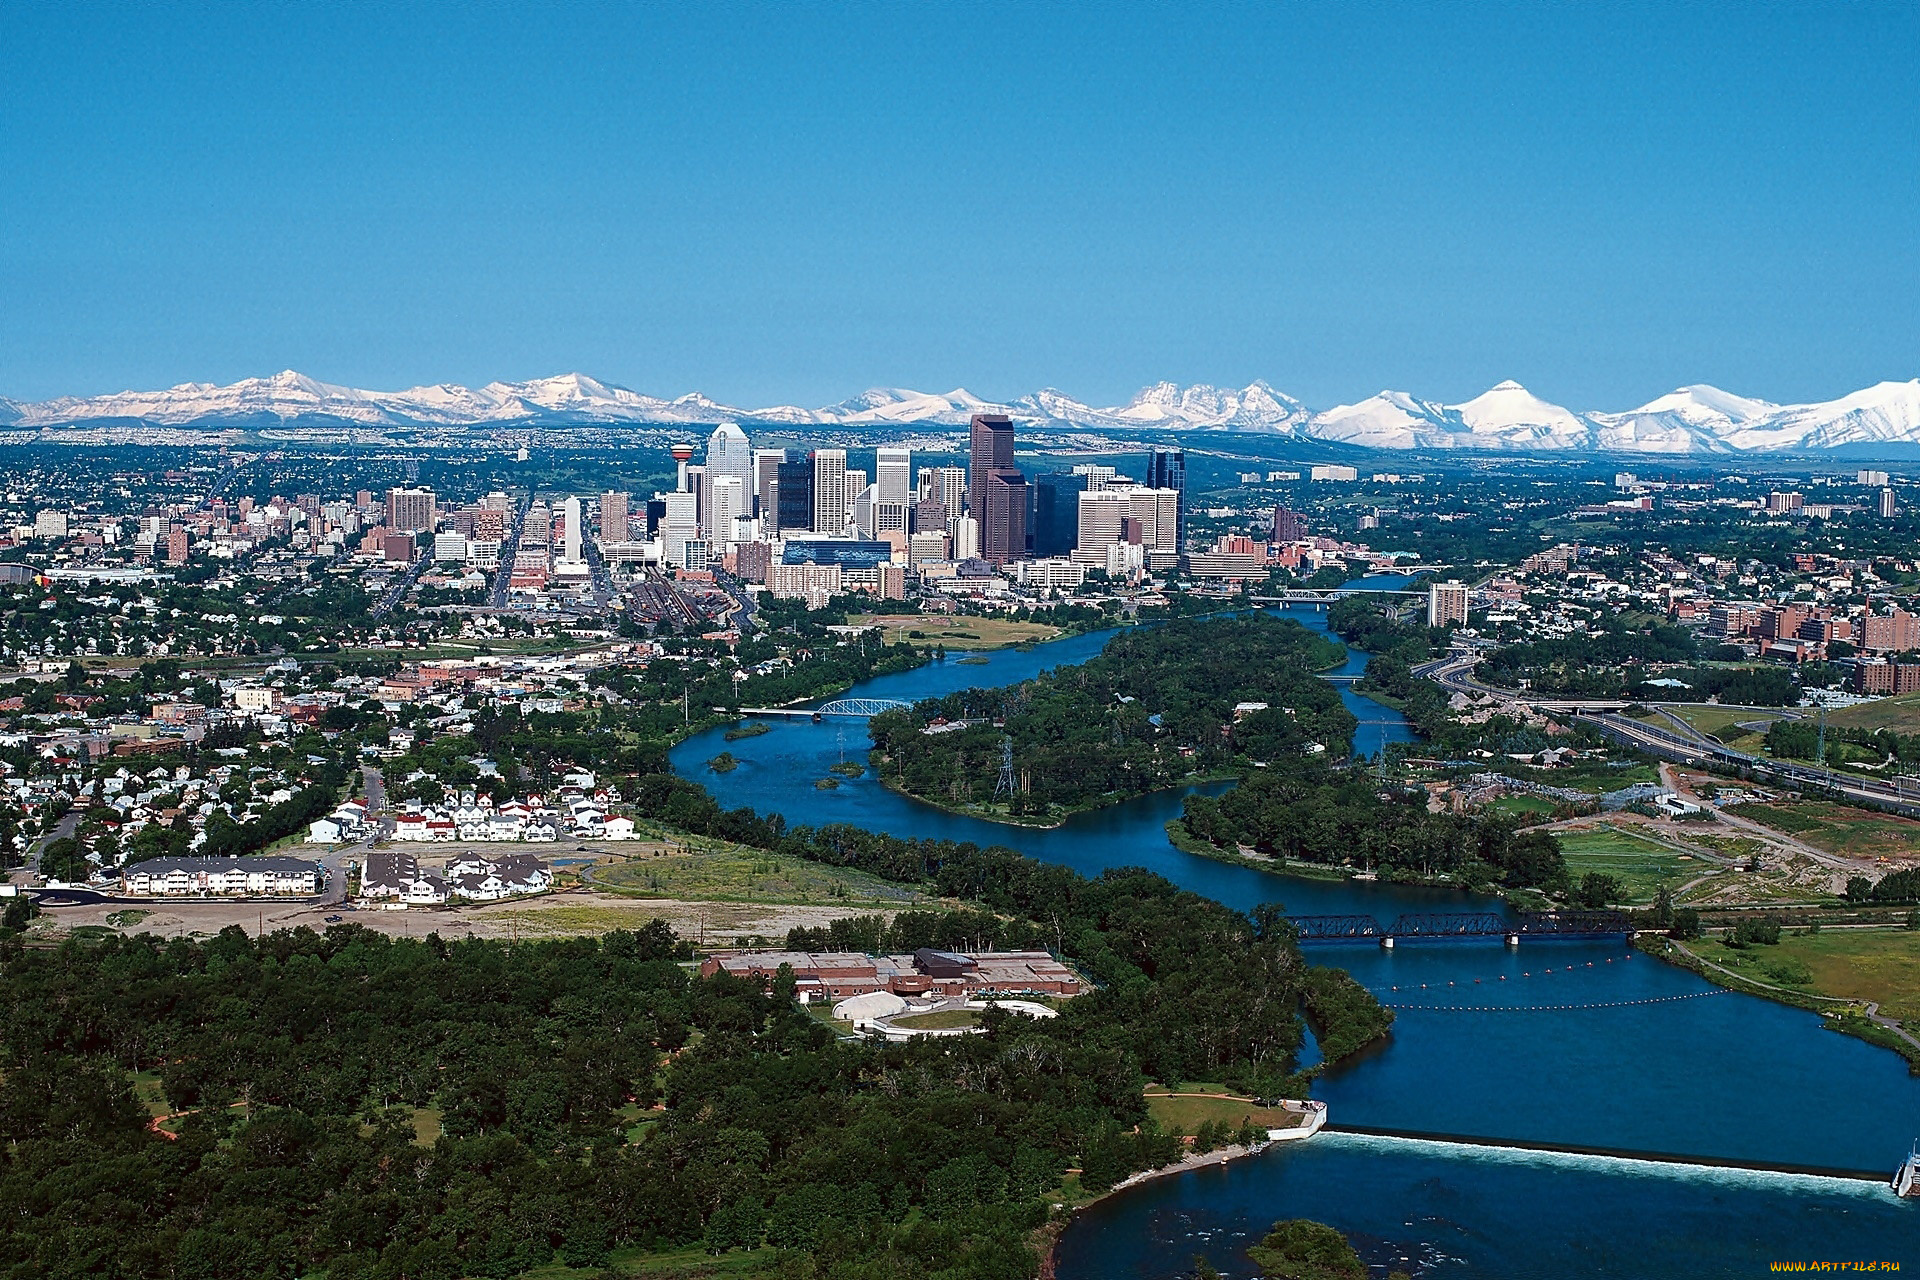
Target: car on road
x=333, y=919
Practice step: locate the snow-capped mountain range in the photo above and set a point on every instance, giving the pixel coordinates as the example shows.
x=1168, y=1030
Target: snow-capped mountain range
x=1696, y=419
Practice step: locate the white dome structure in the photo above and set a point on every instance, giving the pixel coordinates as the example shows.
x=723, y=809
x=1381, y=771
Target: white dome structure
x=872, y=1004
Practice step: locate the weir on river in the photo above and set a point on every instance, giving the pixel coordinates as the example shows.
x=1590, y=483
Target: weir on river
x=1609, y=1057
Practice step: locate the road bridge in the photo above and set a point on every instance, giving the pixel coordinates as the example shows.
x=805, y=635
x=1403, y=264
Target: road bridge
x=847, y=708
x=1304, y=596
x=1583, y=925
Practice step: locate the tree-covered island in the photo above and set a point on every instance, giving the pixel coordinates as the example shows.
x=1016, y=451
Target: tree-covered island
x=1159, y=706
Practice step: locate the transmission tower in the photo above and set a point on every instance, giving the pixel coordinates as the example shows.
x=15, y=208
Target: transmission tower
x=1005, y=785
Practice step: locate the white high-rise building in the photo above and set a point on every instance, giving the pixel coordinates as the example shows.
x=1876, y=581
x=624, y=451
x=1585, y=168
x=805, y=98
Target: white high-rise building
x=1102, y=512
x=1158, y=511
x=829, y=491
x=730, y=454
x=677, y=527
x=874, y=514
x=1098, y=476
x=950, y=488
x=966, y=537
x=893, y=472
x=570, y=532
x=728, y=503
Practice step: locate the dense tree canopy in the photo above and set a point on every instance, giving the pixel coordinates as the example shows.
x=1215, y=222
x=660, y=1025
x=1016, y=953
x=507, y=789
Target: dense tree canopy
x=1154, y=707
x=1314, y=813
x=593, y=1095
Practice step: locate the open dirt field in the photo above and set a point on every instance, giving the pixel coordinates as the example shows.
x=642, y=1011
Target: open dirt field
x=570, y=914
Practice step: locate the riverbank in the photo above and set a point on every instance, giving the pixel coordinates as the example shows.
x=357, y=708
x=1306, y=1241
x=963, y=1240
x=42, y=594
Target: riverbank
x=1052, y=821
x=1296, y=869
x=1860, y=1019
x=1186, y=842
x=1046, y=1240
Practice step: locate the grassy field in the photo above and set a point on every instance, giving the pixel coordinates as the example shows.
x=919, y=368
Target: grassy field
x=1853, y=964
x=1521, y=804
x=691, y=1263
x=1640, y=863
x=717, y=872
x=1722, y=722
x=147, y=1090
x=959, y=633
x=1839, y=828
x=1901, y=714
x=1185, y=1115
x=944, y=1020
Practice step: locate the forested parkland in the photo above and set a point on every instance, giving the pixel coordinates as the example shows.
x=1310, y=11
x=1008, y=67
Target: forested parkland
x=1154, y=708
x=594, y=1098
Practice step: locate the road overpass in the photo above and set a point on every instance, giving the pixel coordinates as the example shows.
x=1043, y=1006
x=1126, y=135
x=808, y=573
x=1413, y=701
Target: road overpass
x=1899, y=794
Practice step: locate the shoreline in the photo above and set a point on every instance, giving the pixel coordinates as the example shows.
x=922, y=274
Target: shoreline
x=1051, y=1232
x=1848, y=1017
x=1008, y=820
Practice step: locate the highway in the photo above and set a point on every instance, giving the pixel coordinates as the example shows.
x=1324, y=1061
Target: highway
x=603, y=596
x=509, y=548
x=398, y=591
x=1901, y=795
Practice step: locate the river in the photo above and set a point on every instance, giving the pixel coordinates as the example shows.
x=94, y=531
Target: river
x=1673, y=1065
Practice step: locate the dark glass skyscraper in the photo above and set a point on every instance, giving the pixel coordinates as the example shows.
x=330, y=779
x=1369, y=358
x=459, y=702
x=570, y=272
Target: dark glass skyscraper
x=1056, y=512
x=1167, y=469
x=997, y=489
x=793, y=494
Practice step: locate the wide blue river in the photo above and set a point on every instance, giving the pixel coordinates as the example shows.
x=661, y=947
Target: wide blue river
x=1508, y=1048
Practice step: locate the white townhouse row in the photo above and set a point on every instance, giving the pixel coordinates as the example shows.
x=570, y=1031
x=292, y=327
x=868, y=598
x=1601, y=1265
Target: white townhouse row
x=222, y=877
x=398, y=878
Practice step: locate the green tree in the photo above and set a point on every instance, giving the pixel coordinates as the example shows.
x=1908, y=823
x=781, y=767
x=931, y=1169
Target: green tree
x=1600, y=889
x=1300, y=1249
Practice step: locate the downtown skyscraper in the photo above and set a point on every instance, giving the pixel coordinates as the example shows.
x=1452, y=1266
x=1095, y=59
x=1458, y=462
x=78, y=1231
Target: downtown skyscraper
x=997, y=489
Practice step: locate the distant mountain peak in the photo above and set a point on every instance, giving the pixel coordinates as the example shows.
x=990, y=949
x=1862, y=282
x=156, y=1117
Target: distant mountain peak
x=1697, y=418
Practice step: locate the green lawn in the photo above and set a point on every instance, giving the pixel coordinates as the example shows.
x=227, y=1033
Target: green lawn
x=944, y=1020
x=1854, y=964
x=957, y=632
x=1521, y=804
x=147, y=1090
x=1186, y=1115
x=1722, y=722
x=1839, y=828
x=1901, y=714
x=691, y=1263
x=426, y=1125
x=1641, y=864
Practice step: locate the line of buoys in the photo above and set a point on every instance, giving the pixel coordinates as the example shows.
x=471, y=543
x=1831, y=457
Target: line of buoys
x=1555, y=1008
x=1503, y=977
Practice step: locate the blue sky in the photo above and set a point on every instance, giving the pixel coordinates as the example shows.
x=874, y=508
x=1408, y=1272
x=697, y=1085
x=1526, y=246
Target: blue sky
x=784, y=203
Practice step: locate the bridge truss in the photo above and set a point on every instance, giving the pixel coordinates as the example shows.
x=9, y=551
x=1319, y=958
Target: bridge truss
x=860, y=708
